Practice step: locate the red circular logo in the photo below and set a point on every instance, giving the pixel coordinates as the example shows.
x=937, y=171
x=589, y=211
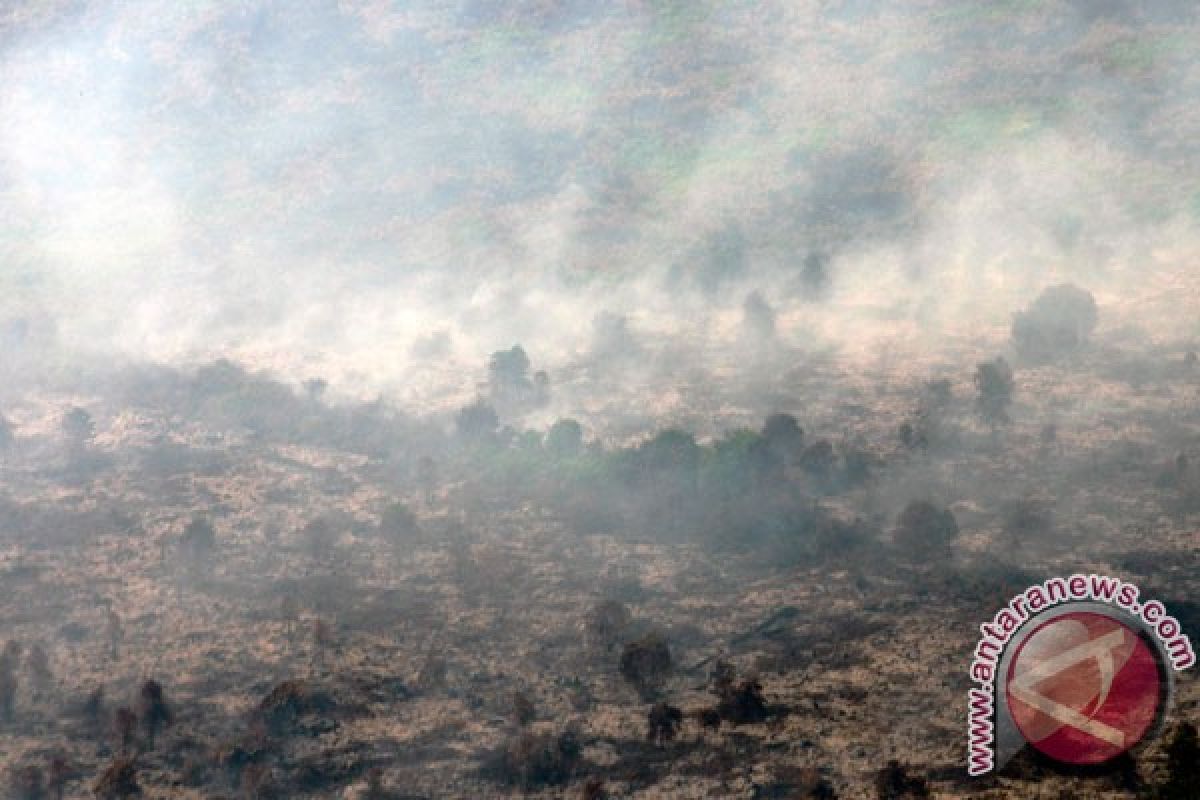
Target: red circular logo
x=1084, y=688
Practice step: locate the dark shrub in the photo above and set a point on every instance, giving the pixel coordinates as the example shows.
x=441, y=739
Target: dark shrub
x=646, y=663
x=743, y=703
x=1183, y=765
x=894, y=783
x=662, y=723
x=784, y=437
x=923, y=529
x=536, y=760
x=153, y=709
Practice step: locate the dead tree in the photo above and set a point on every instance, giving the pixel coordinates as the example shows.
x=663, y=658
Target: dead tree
x=153, y=709
x=118, y=781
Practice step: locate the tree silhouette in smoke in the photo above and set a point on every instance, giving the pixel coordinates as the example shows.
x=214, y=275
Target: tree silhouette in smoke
x=924, y=530
x=758, y=318
x=1060, y=321
x=508, y=372
x=476, y=422
x=784, y=437
x=564, y=439
x=994, y=384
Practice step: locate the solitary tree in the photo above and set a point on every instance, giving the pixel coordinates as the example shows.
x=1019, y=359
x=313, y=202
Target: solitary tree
x=564, y=439
x=198, y=542
x=153, y=708
x=994, y=383
x=427, y=477
x=758, y=318
x=1060, y=321
x=319, y=539
x=784, y=437
x=508, y=372
x=814, y=277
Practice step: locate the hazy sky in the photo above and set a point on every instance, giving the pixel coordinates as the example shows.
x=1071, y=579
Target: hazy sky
x=319, y=185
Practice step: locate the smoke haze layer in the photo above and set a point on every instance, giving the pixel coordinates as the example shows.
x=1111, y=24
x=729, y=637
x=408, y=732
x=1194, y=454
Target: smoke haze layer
x=383, y=195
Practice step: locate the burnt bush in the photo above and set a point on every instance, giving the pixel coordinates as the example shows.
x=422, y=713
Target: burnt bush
x=893, y=782
x=742, y=703
x=800, y=783
x=646, y=663
x=593, y=789
x=285, y=706
x=535, y=760
x=1183, y=765
x=523, y=710
x=662, y=723
x=923, y=529
x=153, y=709
x=606, y=623
x=118, y=781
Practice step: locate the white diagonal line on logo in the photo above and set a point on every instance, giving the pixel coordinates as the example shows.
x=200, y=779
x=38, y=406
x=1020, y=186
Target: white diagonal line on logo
x=1069, y=716
x=1099, y=649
